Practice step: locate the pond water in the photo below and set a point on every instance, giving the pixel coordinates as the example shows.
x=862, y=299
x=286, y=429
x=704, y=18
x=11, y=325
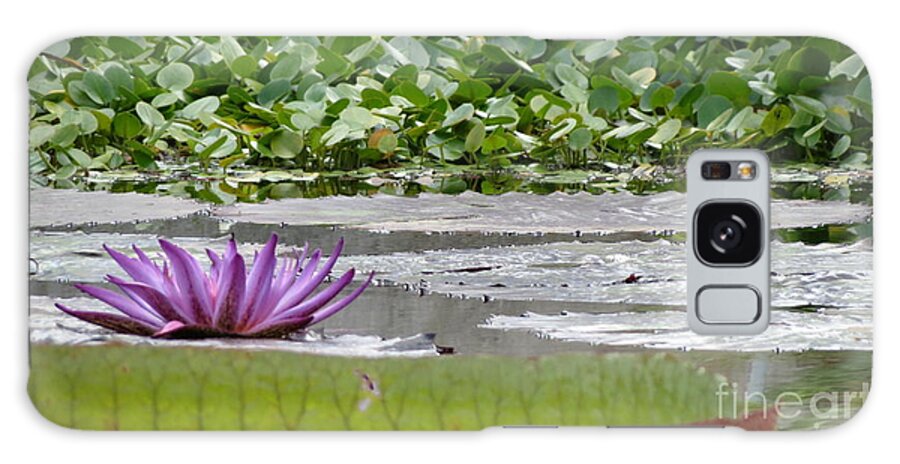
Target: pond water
x=512, y=274
x=252, y=186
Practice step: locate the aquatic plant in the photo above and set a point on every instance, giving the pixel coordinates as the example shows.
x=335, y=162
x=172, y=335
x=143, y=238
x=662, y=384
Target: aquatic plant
x=344, y=103
x=178, y=299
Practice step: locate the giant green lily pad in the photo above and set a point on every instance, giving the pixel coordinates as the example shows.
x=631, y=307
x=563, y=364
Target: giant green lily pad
x=153, y=388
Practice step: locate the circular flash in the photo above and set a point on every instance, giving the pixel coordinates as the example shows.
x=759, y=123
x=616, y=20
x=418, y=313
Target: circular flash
x=746, y=171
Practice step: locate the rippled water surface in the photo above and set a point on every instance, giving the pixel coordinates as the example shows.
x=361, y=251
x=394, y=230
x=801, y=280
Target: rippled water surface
x=513, y=274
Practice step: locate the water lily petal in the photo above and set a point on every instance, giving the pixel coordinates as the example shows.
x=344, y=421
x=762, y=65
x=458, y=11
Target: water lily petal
x=281, y=329
x=338, y=305
x=259, y=281
x=280, y=283
x=122, y=303
x=303, y=288
x=110, y=321
x=307, y=307
x=191, y=281
x=154, y=298
x=294, y=295
x=178, y=330
x=174, y=297
x=135, y=268
x=231, y=292
x=169, y=328
x=302, y=255
x=216, y=266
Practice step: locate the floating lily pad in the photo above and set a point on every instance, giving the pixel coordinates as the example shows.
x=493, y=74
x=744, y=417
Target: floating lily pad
x=518, y=212
x=50, y=206
x=838, y=329
x=825, y=274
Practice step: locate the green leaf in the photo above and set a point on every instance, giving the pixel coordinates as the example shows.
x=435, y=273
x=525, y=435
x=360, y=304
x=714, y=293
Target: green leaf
x=273, y=91
x=78, y=92
x=411, y=92
x=286, y=144
x=841, y=193
x=838, y=120
x=739, y=120
x=809, y=105
x=79, y=157
x=205, y=105
x=473, y=90
x=580, y=138
x=719, y=122
x=851, y=67
x=126, y=125
x=475, y=136
x=814, y=130
x=711, y=108
x=626, y=81
x=729, y=85
x=287, y=67
x=810, y=61
x=175, y=77
x=625, y=131
x=644, y=76
x=840, y=147
x=207, y=151
x=666, y=131
x=362, y=51
x=41, y=134
x=562, y=128
x=661, y=97
x=500, y=55
x=462, y=113
x=124, y=46
x=685, y=105
x=118, y=77
x=856, y=160
x=64, y=136
x=85, y=120
x=777, y=119
x=245, y=66
x=65, y=172
x=387, y=143
x=164, y=99
x=568, y=74
x=407, y=50
x=598, y=50
x=141, y=155
x=337, y=133
x=373, y=98
x=332, y=64
x=604, y=98
x=493, y=143
x=358, y=118
x=98, y=88
x=149, y=115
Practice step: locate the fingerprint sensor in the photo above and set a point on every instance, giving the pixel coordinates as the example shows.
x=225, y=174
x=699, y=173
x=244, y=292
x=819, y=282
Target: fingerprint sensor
x=728, y=304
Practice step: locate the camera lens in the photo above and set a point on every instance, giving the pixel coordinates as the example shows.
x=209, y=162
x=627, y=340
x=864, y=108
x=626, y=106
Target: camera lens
x=716, y=170
x=728, y=233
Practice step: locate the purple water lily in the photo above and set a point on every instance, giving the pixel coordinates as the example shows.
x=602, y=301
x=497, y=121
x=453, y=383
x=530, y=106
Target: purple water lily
x=177, y=299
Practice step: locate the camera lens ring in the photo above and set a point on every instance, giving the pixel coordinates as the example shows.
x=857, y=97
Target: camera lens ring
x=727, y=234
x=744, y=244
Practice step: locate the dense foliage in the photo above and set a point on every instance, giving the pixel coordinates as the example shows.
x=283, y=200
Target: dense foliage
x=339, y=103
